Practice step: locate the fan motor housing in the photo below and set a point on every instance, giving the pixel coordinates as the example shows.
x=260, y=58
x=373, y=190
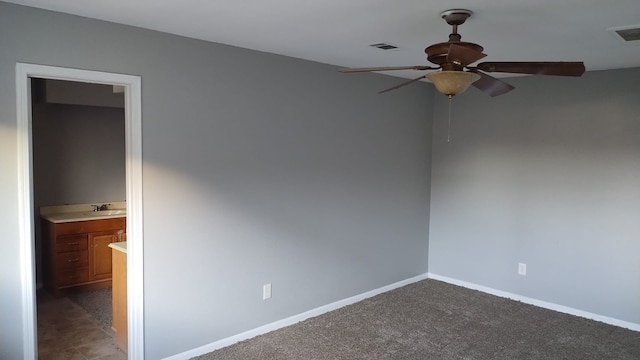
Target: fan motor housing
x=437, y=53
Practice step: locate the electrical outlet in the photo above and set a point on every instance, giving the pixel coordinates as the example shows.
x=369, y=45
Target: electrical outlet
x=522, y=269
x=266, y=291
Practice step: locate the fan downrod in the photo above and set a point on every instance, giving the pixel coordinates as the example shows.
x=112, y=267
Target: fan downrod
x=437, y=53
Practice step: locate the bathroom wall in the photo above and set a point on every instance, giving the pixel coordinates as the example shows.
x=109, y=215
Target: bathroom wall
x=79, y=154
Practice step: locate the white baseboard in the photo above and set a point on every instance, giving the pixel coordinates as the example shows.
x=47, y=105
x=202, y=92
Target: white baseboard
x=291, y=320
x=539, y=303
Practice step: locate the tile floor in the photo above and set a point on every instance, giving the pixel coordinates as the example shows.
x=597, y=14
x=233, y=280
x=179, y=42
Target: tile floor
x=66, y=331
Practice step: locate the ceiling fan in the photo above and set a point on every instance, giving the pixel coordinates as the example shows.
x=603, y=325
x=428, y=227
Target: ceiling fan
x=454, y=56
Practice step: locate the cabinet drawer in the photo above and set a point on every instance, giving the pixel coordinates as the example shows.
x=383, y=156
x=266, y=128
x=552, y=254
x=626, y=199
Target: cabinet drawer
x=71, y=243
x=72, y=260
x=78, y=227
x=74, y=276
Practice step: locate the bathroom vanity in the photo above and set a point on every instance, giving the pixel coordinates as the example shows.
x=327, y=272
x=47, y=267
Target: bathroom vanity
x=75, y=247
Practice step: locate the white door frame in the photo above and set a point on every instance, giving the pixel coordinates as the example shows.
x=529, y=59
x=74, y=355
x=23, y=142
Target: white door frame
x=133, y=135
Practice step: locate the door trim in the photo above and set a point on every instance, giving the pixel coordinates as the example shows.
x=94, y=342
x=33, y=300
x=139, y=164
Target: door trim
x=135, y=239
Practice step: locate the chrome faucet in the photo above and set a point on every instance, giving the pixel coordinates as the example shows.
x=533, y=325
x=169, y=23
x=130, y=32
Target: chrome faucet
x=100, y=207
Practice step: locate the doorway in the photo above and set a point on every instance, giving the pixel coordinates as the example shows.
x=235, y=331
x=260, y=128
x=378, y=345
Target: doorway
x=133, y=164
x=78, y=161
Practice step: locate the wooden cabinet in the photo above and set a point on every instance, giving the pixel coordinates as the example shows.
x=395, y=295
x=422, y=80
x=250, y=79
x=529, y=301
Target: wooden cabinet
x=78, y=254
x=119, y=298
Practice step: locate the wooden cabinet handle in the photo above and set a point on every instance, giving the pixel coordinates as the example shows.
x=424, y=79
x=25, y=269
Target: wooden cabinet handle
x=73, y=260
x=74, y=243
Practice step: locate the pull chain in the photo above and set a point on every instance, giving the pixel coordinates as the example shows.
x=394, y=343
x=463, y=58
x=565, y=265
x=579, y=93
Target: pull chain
x=449, y=123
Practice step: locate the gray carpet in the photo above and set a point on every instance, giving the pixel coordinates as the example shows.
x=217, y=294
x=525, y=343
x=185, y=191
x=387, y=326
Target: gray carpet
x=434, y=320
x=97, y=303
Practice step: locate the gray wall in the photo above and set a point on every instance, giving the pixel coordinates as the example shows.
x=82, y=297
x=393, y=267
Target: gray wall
x=79, y=154
x=547, y=175
x=257, y=168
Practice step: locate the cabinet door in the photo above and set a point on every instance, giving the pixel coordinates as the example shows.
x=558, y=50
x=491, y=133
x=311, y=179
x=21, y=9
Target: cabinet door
x=100, y=264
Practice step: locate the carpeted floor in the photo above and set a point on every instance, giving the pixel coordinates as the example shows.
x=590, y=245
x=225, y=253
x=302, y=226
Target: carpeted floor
x=97, y=303
x=434, y=320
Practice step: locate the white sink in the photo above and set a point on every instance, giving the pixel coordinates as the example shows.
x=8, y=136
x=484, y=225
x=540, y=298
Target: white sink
x=107, y=212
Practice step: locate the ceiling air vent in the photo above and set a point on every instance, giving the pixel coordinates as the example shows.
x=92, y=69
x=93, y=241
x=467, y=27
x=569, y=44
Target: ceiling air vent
x=627, y=33
x=384, y=46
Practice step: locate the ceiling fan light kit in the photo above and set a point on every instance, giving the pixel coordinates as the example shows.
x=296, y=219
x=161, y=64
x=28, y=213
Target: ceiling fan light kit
x=455, y=55
x=452, y=83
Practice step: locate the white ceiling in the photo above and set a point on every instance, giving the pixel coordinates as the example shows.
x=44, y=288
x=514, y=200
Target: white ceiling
x=339, y=32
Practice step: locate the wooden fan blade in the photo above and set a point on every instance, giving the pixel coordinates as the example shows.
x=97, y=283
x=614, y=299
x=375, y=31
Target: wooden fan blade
x=490, y=85
x=535, y=68
x=463, y=56
x=401, y=84
x=388, y=68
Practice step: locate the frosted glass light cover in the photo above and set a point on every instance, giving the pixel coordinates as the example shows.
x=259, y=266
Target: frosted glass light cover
x=452, y=82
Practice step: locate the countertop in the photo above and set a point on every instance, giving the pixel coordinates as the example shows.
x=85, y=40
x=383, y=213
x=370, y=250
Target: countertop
x=82, y=212
x=120, y=246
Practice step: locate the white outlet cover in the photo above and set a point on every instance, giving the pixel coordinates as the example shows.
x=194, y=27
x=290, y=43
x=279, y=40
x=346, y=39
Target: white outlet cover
x=266, y=291
x=522, y=269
